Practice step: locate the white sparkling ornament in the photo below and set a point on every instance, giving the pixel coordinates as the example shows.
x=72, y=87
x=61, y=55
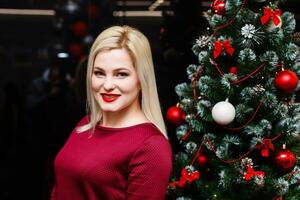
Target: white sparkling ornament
x=223, y=112
x=271, y=25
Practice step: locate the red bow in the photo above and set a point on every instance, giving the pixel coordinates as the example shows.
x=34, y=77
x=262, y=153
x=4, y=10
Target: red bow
x=250, y=173
x=185, y=177
x=219, y=45
x=265, y=146
x=269, y=13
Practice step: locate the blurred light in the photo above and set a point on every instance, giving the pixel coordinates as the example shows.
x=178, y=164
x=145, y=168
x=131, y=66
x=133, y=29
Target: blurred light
x=63, y=55
x=137, y=13
x=6, y=11
x=88, y=39
x=139, y=3
x=71, y=6
x=155, y=4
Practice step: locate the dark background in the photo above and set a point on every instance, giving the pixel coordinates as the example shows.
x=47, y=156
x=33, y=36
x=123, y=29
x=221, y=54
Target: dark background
x=36, y=116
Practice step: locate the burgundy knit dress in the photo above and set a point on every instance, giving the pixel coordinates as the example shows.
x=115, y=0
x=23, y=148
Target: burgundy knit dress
x=114, y=163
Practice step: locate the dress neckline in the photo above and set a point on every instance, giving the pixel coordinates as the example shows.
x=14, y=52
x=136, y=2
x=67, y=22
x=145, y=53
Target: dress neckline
x=107, y=128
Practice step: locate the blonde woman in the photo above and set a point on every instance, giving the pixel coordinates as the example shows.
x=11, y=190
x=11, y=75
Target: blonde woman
x=120, y=149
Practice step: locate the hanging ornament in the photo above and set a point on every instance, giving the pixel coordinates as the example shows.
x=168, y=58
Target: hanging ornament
x=202, y=160
x=285, y=159
x=272, y=17
x=220, y=45
x=223, y=112
x=271, y=25
x=187, y=177
x=233, y=70
x=250, y=173
x=265, y=147
x=218, y=7
x=286, y=81
x=175, y=115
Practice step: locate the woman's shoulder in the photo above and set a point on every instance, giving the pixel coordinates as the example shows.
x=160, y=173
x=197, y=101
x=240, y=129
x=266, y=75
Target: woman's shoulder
x=84, y=120
x=146, y=130
x=151, y=135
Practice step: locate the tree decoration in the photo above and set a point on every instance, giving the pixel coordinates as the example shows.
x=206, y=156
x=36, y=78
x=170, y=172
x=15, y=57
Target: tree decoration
x=202, y=160
x=250, y=173
x=271, y=16
x=286, y=81
x=175, y=115
x=187, y=176
x=265, y=147
x=251, y=35
x=240, y=60
x=285, y=159
x=220, y=45
x=218, y=7
x=223, y=112
x=203, y=41
x=272, y=25
x=233, y=70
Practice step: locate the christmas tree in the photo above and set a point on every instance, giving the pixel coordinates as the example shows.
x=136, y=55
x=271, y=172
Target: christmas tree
x=237, y=121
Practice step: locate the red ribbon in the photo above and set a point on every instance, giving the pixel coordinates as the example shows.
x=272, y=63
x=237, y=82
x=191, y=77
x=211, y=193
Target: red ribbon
x=185, y=177
x=265, y=146
x=250, y=173
x=270, y=14
x=220, y=45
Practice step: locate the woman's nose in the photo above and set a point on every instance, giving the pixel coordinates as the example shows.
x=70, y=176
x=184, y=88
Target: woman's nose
x=108, y=83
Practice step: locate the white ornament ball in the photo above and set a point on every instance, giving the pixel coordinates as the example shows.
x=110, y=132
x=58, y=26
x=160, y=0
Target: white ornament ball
x=272, y=26
x=223, y=113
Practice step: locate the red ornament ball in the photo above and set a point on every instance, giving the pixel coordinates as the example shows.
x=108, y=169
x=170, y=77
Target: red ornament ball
x=79, y=28
x=286, y=81
x=202, y=160
x=285, y=159
x=175, y=115
x=218, y=7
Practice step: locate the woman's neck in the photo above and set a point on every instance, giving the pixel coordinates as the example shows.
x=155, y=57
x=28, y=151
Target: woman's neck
x=123, y=118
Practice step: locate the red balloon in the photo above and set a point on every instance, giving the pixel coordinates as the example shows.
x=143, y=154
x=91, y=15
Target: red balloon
x=218, y=7
x=79, y=28
x=285, y=159
x=175, y=115
x=286, y=81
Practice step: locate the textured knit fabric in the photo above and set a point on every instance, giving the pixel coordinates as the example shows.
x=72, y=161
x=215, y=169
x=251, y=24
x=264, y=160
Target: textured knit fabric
x=114, y=163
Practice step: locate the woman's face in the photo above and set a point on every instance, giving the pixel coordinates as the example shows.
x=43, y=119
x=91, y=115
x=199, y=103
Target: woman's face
x=115, y=83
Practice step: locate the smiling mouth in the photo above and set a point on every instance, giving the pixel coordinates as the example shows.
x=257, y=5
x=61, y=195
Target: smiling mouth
x=110, y=97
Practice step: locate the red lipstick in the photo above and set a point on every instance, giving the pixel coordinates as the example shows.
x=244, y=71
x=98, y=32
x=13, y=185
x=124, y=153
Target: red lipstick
x=108, y=98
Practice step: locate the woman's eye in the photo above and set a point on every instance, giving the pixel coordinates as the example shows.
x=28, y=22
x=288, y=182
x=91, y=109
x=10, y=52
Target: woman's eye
x=98, y=73
x=122, y=74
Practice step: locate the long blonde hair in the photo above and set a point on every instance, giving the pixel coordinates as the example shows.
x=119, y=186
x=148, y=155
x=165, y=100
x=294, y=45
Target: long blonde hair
x=138, y=47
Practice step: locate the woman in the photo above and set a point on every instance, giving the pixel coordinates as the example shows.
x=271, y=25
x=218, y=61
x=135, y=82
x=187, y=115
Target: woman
x=120, y=150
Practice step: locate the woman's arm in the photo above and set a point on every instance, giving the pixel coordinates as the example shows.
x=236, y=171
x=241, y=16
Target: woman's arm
x=53, y=193
x=149, y=170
